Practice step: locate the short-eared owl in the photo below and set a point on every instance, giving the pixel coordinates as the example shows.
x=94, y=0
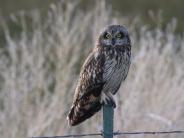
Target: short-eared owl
x=102, y=73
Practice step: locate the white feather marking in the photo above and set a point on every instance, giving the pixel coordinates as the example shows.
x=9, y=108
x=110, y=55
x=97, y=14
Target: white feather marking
x=94, y=75
x=96, y=54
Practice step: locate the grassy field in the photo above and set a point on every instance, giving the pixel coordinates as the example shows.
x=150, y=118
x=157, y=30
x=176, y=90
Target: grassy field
x=39, y=69
x=145, y=9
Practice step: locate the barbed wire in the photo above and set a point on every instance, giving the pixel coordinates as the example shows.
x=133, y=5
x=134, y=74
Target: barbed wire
x=119, y=133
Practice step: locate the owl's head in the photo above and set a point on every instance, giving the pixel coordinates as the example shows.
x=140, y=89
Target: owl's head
x=114, y=36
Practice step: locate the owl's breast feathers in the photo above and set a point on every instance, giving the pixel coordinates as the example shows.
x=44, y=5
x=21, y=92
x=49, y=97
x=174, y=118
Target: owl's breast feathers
x=116, y=67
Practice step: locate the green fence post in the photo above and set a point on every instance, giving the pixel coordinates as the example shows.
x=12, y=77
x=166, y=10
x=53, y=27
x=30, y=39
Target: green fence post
x=108, y=116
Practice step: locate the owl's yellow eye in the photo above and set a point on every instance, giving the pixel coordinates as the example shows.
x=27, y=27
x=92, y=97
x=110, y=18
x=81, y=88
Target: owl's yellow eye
x=107, y=35
x=119, y=35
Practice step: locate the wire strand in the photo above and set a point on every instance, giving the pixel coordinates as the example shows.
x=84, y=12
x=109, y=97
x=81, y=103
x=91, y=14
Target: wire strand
x=119, y=133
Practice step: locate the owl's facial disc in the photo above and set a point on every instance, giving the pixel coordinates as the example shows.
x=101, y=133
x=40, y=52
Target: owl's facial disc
x=113, y=39
x=114, y=35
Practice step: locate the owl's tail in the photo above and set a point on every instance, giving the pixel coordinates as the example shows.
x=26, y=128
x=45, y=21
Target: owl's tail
x=82, y=111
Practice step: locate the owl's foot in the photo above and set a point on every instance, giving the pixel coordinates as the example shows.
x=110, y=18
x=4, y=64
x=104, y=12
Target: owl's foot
x=111, y=103
x=107, y=98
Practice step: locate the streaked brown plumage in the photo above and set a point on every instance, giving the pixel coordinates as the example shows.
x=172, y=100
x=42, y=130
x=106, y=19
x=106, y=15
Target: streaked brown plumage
x=102, y=73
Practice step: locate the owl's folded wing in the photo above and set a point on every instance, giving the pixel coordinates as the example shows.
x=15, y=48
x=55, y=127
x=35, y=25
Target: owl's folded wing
x=87, y=94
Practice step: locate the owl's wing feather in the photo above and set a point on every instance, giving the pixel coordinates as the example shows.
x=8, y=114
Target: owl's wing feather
x=87, y=94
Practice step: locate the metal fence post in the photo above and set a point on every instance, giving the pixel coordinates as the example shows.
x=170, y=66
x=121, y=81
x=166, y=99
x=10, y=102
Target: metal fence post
x=108, y=117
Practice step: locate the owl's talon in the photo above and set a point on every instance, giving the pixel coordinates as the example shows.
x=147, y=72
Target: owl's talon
x=107, y=99
x=111, y=103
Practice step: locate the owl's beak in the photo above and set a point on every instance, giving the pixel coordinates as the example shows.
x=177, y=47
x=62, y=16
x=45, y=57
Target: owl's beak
x=113, y=41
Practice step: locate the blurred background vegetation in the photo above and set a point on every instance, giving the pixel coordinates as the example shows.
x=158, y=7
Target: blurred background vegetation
x=150, y=12
x=167, y=9
x=43, y=44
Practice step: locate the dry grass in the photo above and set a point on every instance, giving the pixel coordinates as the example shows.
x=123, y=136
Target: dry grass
x=38, y=74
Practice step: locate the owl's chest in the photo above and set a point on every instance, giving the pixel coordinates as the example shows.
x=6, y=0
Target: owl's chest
x=115, y=70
